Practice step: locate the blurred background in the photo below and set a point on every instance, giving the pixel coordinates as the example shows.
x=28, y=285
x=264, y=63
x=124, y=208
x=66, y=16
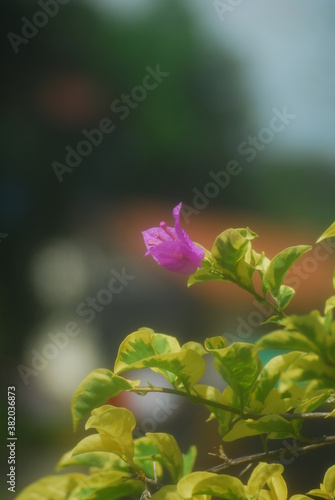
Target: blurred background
x=249, y=83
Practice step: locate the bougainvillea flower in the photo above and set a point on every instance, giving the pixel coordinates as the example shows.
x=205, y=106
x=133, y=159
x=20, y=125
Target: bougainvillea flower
x=172, y=248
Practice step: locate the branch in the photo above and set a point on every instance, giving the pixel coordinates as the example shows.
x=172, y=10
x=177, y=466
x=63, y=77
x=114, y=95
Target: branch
x=193, y=397
x=271, y=455
x=215, y=404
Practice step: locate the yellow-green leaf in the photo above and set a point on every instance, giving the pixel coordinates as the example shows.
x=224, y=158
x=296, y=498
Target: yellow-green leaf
x=261, y=475
x=202, y=275
x=278, y=267
x=95, y=390
x=96, y=459
x=194, y=346
x=300, y=497
x=228, y=398
x=274, y=425
x=214, y=343
x=306, y=333
x=232, y=255
x=167, y=493
x=55, y=487
x=277, y=487
x=239, y=365
x=169, y=454
x=270, y=374
x=311, y=403
x=285, y=295
x=92, y=444
x=320, y=494
x=115, y=426
x=105, y=485
x=145, y=452
x=330, y=304
x=311, y=367
x=207, y=483
x=329, y=481
x=161, y=353
x=136, y=346
x=329, y=233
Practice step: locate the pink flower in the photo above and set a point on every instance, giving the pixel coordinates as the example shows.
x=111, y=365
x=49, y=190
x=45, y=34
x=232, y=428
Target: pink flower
x=172, y=248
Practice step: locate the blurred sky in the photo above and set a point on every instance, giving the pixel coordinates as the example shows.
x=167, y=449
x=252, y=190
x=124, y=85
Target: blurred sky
x=285, y=51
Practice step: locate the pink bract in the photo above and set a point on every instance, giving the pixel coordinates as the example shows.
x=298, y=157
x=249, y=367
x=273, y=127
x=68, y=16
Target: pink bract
x=172, y=248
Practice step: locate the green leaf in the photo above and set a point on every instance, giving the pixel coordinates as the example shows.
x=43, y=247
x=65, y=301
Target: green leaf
x=270, y=374
x=276, y=320
x=207, y=272
x=274, y=425
x=203, y=275
x=145, y=452
x=239, y=365
x=329, y=233
x=189, y=459
x=169, y=454
x=260, y=262
x=135, y=347
x=214, y=343
x=261, y=475
x=283, y=339
x=311, y=367
x=286, y=294
x=95, y=390
x=115, y=426
x=207, y=483
x=55, y=487
x=277, y=269
x=313, y=402
x=330, y=304
x=162, y=353
x=98, y=459
x=232, y=255
x=306, y=333
x=228, y=397
x=105, y=485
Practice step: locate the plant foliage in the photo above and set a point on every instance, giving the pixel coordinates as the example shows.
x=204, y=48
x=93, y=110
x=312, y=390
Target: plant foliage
x=270, y=400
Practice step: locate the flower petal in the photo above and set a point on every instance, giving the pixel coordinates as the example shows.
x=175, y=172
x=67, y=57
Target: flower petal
x=181, y=234
x=172, y=248
x=156, y=235
x=176, y=256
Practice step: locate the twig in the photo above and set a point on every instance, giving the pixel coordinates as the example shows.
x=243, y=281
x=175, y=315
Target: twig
x=272, y=455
